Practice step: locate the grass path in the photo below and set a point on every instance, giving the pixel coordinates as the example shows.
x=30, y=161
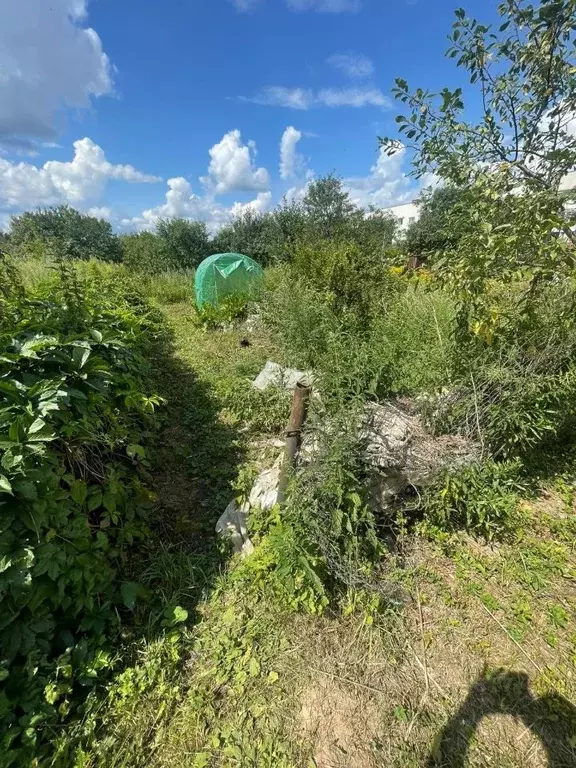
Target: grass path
x=478, y=667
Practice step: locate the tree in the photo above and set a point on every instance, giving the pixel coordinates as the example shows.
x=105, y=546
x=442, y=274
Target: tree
x=288, y=224
x=434, y=230
x=374, y=231
x=329, y=207
x=65, y=232
x=185, y=243
x=513, y=158
x=144, y=252
x=247, y=233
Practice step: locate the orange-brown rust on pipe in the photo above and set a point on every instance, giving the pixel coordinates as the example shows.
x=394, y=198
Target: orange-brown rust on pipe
x=293, y=436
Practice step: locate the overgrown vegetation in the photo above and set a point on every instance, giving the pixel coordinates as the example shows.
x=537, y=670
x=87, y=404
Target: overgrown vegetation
x=388, y=615
x=76, y=417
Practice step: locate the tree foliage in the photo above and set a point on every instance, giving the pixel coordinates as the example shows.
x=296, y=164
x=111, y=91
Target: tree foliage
x=328, y=206
x=184, y=243
x=143, y=252
x=326, y=212
x=63, y=232
x=247, y=233
x=513, y=159
x=434, y=229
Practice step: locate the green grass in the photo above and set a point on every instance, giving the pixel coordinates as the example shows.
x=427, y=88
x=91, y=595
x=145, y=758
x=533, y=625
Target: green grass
x=169, y=287
x=166, y=288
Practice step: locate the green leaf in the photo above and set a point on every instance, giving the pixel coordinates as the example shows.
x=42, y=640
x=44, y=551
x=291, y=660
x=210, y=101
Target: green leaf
x=16, y=431
x=44, y=436
x=26, y=489
x=254, y=667
x=136, y=451
x=5, y=486
x=175, y=614
x=79, y=491
x=94, y=501
x=96, y=335
x=37, y=425
x=130, y=590
x=81, y=354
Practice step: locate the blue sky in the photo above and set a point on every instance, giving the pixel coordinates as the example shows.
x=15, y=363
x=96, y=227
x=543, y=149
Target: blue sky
x=185, y=90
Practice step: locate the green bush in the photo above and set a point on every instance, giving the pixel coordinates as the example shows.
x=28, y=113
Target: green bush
x=176, y=245
x=483, y=499
x=63, y=232
x=75, y=417
x=143, y=253
x=353, y=280
x=404, y=346
x=517, y=393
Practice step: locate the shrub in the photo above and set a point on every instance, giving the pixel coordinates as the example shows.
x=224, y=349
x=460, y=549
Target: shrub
x=74, y=420
x=143, y=252
x=482, y=498
x=517, y=393
x=404, y=347
x=247, y=233
x=352, y=280
x=184, y=243
x=65, y=233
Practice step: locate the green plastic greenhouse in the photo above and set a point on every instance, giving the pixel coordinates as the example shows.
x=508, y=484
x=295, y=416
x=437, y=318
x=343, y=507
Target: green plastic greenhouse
x=226, y=274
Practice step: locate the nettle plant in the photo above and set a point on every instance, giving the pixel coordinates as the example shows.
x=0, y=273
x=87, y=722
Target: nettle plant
x=513, y=160
x=74, y=415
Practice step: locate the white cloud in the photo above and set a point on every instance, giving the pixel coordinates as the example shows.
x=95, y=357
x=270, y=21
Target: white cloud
x=325, y=6
x=101, y=212
x=48, y=61
x=306, y=98
x=83, y=179
x=353, y=97
x=181, y=202
x=386, y=185
x=352, y=65
x=260, y=205
x=232, y=167
x=291, y=162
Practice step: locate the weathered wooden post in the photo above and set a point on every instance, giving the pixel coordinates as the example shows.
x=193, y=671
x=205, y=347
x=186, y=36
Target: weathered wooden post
x=293, y=436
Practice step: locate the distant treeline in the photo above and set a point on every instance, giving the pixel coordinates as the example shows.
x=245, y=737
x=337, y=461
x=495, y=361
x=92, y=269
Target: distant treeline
x=326, y=212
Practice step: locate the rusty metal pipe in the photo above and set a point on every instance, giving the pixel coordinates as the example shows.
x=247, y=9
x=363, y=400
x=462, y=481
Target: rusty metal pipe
x=293, y=437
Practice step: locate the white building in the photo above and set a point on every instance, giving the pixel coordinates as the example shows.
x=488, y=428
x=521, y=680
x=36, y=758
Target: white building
x=405, y=214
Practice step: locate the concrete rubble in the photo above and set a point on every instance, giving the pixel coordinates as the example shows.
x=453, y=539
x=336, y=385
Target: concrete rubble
x=399, y=452
x=274, y=375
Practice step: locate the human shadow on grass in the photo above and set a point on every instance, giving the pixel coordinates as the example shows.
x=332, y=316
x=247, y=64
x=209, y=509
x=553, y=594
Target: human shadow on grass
x=194, y=466
x=551, y=718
